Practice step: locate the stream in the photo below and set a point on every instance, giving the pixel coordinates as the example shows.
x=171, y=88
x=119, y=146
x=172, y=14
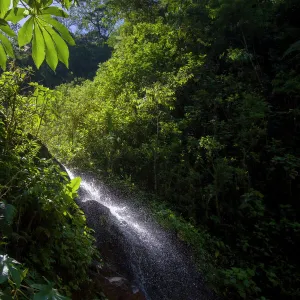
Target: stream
x=153, y=259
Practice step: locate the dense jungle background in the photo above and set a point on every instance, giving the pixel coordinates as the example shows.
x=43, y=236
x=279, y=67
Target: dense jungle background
x=193, y=102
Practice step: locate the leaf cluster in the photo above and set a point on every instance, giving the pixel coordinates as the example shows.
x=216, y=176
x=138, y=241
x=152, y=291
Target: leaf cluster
x=47, y=35
x=41, y=225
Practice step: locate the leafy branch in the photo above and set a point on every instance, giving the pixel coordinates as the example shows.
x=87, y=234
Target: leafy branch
x=47, y=36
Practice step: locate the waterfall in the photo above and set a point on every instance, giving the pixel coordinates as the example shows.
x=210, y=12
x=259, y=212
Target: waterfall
x=157, y=263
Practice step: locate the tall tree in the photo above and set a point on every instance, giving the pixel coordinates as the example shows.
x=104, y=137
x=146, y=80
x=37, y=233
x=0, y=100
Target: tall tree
x=91, y=17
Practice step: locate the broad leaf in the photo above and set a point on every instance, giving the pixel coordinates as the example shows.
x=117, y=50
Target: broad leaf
x=38, y=46
x=61, y=47
x=15, y=15
x=64, y=32
x=7, y=45
x=15, y=272
x=75, y=184
x=3, y=58
x=4, y=6
x=46, y=3
x=25, y=33
x=55, y=11
x=67, y=4
x=51, y=54
x=5, y=28
x=10, y=268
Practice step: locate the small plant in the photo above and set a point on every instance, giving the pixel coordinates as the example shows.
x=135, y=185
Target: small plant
x=242, y=281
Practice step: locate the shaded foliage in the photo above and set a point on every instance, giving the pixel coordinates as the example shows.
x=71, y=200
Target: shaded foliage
x=199, y=105
x=41, y=225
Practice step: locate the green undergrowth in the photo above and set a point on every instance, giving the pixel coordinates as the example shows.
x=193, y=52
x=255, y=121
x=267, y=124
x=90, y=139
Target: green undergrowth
x=46, y=247
x=199, y=105
x=41, y=227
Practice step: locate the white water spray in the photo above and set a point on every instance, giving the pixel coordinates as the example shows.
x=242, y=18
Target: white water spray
x=155, y=261
x=123, y=214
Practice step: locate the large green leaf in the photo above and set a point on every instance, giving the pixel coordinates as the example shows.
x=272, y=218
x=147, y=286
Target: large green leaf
x=75, y=184
x=67, y=4
x=46, y=3
x=7, y=45
x=3, y=58
x=10, y=268
x=51, y=54
x=64, y=32
x=55, y=11
x=15, y=272
x=15, y=15
x=5, y=28
x=61, y=46
x=38, y=46
x=25, y=33
x=4, y=6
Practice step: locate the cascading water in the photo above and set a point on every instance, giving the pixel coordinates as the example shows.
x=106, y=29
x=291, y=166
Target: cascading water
x=152, y=257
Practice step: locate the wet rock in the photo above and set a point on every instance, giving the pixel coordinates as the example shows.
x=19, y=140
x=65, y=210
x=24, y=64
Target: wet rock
x=110, y=241
x=118, y=281
x=152, y=259
x=115, y=287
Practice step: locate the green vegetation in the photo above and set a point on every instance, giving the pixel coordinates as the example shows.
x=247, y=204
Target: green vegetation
x=197, y=106
x=40, y=224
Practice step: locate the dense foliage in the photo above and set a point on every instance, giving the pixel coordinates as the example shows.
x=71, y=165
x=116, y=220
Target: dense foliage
x=40, y=224
x=199, y=104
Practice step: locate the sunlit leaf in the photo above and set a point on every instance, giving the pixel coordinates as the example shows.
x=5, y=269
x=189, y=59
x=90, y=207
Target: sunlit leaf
x=3, y=58
x=15, y=15
x=61, y=47
x=7, y=45
x=51, y=54
x=25, y=33
x=46, y=3
x=75, y=184
x=5, y=28
x=55, y=11
x=4, y=6
x=60, y=28
x=38, y=46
